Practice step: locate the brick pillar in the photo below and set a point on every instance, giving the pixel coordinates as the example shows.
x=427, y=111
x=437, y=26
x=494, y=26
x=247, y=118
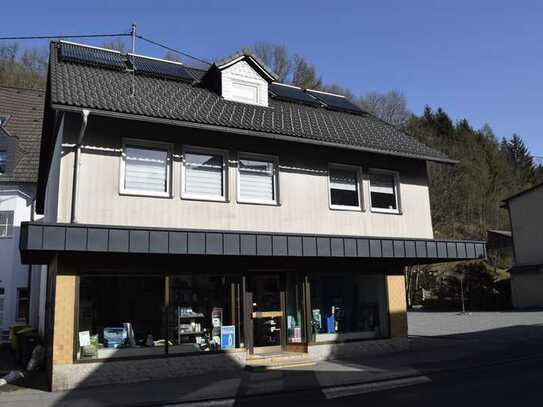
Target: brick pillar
x=64, y=319
x=397, y=306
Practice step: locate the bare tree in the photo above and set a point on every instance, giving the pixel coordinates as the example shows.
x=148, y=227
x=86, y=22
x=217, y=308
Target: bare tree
x=26, y=68
x=116, y=44
x=276, y=57
x=304, y=74
x=172, y=56
x=390, y=107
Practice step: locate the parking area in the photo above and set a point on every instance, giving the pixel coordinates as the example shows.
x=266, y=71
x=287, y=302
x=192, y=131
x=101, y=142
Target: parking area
x=476, y=323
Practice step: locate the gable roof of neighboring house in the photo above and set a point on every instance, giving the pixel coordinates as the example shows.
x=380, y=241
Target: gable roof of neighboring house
x=22, y=132
x=90, y=83
x=521, y=193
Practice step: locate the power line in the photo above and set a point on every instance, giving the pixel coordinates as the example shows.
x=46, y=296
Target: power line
x=141, y=37
x=50, y=37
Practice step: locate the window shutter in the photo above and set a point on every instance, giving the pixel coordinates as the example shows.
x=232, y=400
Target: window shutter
x=204, y=174
x=344, y=180
x=146, y=169
x=256, y=180
x=382, y=183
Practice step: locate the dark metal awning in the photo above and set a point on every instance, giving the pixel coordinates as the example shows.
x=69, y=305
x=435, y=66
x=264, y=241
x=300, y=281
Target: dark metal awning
x=40, y=241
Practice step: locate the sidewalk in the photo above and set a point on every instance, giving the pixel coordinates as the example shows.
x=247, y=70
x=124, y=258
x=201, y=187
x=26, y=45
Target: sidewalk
x=428, y=355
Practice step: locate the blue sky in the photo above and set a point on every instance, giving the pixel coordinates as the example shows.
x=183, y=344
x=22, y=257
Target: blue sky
x=479, y=60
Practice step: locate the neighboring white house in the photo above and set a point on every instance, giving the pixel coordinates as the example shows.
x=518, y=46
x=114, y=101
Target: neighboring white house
x=21, y=112
x=527, y=230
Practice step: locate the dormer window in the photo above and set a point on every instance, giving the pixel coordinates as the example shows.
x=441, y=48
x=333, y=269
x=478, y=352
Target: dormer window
x=242, y=77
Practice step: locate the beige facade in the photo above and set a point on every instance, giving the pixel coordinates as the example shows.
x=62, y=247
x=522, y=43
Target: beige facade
x=303, y=186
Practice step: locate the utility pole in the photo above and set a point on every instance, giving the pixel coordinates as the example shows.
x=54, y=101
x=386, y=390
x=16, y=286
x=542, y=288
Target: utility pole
x=133, y=34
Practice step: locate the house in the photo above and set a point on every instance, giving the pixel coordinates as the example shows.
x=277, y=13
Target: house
x=527, y=233
x=21, y=113
x=219, y=216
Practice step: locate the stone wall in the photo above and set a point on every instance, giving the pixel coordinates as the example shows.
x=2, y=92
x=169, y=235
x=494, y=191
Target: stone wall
x=69, y=376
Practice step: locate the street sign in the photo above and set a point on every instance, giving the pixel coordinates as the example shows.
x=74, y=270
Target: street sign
x=228, y=337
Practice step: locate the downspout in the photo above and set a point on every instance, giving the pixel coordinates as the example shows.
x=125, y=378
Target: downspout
x=85, y=118
x=29, y=282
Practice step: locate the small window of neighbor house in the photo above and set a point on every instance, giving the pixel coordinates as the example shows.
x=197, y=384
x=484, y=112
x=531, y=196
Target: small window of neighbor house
x=3, y=161
x=146, y=168
x=6, y=224
x=344, y=185
x=22, y=304
x=384, y=191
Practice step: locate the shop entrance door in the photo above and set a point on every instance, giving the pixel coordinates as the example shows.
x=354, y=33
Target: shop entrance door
x=267, y=307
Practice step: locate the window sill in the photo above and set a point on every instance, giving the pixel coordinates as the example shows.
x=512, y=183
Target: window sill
x=265, y=203
x=203, y=198
x=346, y=208
x=146, y=194
x=386, y=211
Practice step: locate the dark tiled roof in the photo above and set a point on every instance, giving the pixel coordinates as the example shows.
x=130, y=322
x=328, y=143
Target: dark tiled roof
x=25, y=107
x=99, y=88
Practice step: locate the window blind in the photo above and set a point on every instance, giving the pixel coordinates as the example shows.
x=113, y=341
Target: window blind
x=146, y=169
x=204, y=174
x=256, y=180
x=383, y=192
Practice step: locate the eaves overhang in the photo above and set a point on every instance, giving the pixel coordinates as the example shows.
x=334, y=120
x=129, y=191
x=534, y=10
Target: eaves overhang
x=39, y=242
x=244, y=132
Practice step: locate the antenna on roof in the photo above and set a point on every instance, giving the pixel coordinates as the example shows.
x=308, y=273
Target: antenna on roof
x=133, y=35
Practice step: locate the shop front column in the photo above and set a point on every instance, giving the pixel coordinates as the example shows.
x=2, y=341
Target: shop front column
x=64, y=319
x=397, y=305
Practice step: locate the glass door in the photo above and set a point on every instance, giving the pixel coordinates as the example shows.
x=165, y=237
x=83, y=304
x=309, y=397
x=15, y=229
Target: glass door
x=267, y=312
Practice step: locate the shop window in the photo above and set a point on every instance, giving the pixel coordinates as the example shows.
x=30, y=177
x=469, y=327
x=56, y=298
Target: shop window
x=348, y=305
x=127, y=316
x=384, y=191
x=145, y=168
x=201, y=308
x=6, y=223
x=257, y=179
x=22, y=304
x=204, y=175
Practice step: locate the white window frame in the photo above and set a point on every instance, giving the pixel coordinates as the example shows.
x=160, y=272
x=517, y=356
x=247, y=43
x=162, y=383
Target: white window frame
x=396, y=176
x=203, y=197
x=359, y=184
x=259, y=157
x=146, y=144
x=9, y=230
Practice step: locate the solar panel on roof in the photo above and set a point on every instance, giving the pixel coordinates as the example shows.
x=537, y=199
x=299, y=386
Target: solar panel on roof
x=162, y=69
x=335, y=102
x=92, y=56
x=292, y=94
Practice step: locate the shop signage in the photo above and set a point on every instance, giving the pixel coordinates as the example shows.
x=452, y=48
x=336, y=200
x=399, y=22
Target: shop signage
x=228, y=337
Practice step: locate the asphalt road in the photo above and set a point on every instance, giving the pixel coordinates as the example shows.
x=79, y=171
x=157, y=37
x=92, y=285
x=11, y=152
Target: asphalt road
x=501, y=385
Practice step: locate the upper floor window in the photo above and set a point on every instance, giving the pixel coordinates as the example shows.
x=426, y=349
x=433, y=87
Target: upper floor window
x=6, y=223
x=204, y=174
x=344, y=183
x=384, y=191
x=145, y=168
x=257, y=179
x=3, y=161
